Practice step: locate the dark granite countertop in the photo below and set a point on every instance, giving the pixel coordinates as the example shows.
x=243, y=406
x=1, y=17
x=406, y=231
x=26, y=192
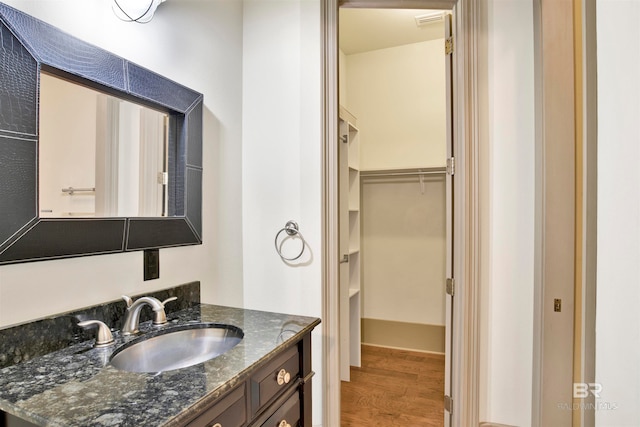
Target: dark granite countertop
x=76, y=386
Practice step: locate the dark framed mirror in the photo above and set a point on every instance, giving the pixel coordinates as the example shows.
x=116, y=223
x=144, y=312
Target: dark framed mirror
x=29, y=48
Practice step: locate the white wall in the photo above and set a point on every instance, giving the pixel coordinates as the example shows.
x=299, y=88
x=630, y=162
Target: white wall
x=618, y=270
x=281, y=163
x=508, y=234
x=198, y=44
x=398, y=97
x=342, y=80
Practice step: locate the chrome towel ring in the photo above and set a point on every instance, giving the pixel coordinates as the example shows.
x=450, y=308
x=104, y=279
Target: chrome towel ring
x=291, y=228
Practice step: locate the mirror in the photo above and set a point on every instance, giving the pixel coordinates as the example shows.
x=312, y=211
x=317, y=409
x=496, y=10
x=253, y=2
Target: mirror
x=121, y=146
x=31, y=52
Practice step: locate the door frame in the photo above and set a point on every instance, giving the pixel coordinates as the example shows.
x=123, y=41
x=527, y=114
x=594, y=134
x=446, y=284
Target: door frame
x=466, y=305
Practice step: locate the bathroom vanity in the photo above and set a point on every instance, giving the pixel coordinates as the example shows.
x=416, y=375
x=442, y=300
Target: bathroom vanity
x=265, y=380
x=51, y=372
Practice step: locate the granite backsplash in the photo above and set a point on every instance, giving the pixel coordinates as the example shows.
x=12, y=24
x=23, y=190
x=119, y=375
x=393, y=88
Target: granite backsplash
x=23, y=342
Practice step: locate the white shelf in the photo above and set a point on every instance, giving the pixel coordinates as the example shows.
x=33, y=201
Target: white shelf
x=354, y=271
x=349, y=206
x=354, y=231
x=354, y=331
x=354, y=189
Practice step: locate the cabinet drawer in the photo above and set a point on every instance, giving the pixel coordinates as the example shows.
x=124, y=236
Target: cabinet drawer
x=230, y=411
x=288, y=415
x=275, y=378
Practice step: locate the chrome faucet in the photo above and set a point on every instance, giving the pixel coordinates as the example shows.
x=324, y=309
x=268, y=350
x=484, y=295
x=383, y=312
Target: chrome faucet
x=132, y=317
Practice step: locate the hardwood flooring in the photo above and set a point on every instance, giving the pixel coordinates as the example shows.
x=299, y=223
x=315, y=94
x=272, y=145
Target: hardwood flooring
x=394, y=388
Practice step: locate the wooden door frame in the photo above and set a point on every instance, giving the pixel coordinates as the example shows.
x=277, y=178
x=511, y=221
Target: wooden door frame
x=566, y=197
x=585, y=329
x=466, y=98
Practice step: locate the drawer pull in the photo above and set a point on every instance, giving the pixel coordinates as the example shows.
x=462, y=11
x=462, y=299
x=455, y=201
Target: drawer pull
x=283, y=378
x=217, y=425
x=284, y=423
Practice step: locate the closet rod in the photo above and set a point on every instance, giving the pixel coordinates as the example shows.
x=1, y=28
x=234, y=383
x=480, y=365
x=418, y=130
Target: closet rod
x=403, y=172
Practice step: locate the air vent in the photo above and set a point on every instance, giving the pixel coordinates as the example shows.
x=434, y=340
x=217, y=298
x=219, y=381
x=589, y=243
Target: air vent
x=429, y=18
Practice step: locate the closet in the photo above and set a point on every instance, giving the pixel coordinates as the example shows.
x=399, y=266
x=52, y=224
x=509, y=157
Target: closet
x=403, y=258
x=392, y=174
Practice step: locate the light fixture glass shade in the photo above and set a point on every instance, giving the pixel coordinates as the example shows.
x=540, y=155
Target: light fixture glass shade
x=135, y=10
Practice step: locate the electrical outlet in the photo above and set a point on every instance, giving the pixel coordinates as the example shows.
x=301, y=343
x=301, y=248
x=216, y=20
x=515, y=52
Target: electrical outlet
x=557, y=305
x=151, y=264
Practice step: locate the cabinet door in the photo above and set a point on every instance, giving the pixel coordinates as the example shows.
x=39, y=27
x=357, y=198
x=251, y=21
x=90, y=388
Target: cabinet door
x=287, y=415
x=276, y=377
x=230, y=411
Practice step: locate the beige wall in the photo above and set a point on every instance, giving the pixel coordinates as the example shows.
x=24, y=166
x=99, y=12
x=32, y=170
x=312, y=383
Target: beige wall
x=555, y=218
x=398, y=96
x=342, y=80
x=403, y=249
x=59, y=157
x=507, y=189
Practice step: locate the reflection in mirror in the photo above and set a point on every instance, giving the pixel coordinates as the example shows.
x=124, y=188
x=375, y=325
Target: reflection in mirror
x=99, y=156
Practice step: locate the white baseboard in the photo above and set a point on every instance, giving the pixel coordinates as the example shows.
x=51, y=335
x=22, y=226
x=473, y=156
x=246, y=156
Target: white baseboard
x=488, y=424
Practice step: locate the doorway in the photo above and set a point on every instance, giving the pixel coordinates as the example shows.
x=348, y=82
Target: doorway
x=466, y=108
x=395, y=202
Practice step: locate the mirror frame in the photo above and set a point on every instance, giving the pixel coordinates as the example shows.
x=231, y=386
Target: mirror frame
x=30, y=46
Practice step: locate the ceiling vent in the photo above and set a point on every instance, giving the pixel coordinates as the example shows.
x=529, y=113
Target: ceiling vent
x=429, y=18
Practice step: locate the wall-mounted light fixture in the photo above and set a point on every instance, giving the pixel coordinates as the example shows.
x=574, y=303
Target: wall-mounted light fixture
x=135, y=10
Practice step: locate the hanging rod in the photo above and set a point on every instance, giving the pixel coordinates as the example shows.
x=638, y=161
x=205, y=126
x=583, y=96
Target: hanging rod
x=72, y=190
x=403, y=172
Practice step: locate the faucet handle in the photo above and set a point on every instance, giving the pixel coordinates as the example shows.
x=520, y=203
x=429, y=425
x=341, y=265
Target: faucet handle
x=160, y=316
x=104, y=337
x=128, y=300
x=169, y=300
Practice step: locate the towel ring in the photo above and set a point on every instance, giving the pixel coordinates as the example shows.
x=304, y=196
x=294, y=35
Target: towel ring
x=291, y=228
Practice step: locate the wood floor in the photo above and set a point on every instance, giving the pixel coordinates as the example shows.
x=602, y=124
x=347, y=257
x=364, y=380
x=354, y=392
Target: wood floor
x=394, y=388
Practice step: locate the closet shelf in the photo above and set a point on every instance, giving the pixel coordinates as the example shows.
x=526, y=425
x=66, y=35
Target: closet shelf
x=349, y=181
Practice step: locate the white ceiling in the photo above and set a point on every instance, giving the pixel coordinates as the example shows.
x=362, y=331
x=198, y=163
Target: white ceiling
x=363, y=30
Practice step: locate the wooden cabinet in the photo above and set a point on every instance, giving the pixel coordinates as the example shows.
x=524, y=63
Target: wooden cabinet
x=287, y=414
x=273, y=394
x=266, y=376
x=274, y=378
x=230, y=410
x=349, y=209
